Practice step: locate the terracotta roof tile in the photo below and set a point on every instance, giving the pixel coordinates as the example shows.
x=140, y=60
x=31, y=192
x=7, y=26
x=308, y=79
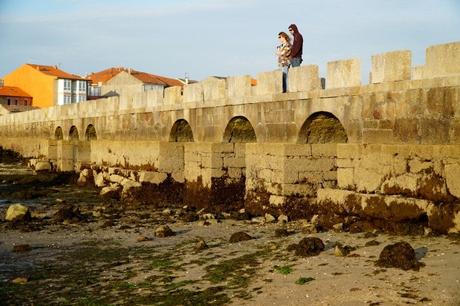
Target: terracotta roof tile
x=105, y=75
x=54, y=71
x=155, y=79
x=11, y=91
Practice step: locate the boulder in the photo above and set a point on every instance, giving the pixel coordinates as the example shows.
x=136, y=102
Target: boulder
x=282, y=232
x=68, y=213
x=343, y=250
x=17, y=212
x=269, y=218
x=86, y=175
x=200, y=245
x=152, y=177
x=42, y=166
x=163, y=231
x=110, y=192
x=130, y=186
x=283, y=219
x=240, y=236
x=115, y=178
x=20, y=280
x=99, y=180
x=310, y=246
x=399, y=255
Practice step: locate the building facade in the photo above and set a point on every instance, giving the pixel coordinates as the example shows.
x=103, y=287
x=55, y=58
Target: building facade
x=14, y=99
x=48, y=85
x=115, y=80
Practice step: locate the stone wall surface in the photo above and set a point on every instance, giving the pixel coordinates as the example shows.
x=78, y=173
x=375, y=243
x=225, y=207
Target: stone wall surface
x=400, y=164
x=398, y=183
x=284, y=178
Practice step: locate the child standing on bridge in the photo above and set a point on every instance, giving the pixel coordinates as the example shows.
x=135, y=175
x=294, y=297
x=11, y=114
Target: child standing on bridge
x=284, y=52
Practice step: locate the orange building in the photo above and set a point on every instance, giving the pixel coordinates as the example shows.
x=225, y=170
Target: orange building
x=14, y=99
x=48, y=85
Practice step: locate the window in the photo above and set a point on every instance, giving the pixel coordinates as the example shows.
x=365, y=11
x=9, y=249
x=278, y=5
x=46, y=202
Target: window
x=16, y=102
x=9, y=102
x=81, y=85
x=67, y=99
x=67, y=84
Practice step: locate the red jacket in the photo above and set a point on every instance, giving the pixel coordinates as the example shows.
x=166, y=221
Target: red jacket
x=297, y=46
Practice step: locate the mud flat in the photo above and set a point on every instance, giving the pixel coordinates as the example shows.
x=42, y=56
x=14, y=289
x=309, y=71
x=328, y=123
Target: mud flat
x=78, y=248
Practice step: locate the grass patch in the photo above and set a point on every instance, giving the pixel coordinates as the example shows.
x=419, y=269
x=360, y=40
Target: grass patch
x=161, y=263
x=304, y=280
x=285, y=270
x=237, y=272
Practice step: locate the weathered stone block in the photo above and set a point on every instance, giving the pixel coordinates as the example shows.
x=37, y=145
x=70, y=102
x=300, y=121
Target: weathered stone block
x=345, y=163
x=442, y=60
x=239, y=86
x=305, y=190
x=193, y=93
x=378, y=136
x=344, y=73
x=391, y=66
x=303, y=78
x=416, y=165
x=367, y=180
x=269, y=83
x=324, y=150
x=345, y=178
x=349, y=150
x=453, y=179
x=402, y=184
x=213, y=88
x=152, y=177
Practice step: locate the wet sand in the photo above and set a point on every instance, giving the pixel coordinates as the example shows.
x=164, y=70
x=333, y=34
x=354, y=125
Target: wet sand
x=99, y=260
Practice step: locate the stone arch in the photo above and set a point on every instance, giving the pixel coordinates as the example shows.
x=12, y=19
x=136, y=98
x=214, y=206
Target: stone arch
x=322, y=127
x=58, y=135
x=181, y=132
x=73, y=133
x=90, y=133
x=239, y=129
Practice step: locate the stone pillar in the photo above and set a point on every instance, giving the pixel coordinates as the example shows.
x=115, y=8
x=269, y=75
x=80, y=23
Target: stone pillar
x=214, y=175
x=83, y=154
x=65, y=155
x=52, y=150
x=284, y=178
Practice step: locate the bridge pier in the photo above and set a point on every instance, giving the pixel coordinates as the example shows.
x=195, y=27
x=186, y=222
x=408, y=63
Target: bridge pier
x=284, y=178
x=214, y=175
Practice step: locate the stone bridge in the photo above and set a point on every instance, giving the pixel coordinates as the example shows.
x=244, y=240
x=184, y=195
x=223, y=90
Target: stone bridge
x=387, y=151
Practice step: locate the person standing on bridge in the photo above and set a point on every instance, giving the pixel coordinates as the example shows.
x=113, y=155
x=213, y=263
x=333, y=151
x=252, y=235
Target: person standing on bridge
x=297, y=46
x=284, y=52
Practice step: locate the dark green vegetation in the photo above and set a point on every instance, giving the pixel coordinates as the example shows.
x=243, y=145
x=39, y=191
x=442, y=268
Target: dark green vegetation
x=103, y=273
x=304, y=280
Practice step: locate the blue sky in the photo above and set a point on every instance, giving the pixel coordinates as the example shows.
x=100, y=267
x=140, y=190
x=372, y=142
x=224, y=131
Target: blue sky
x=215, y=37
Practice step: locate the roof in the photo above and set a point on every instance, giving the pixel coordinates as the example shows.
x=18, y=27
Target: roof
x=155, y=79
x=148, y=78
x=54, y=71
x=11, y=91
x=105, y=75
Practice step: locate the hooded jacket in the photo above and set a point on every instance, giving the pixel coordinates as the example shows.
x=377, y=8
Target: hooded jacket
x=297, y=46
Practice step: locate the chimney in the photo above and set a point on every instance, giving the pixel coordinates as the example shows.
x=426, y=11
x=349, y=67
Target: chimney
x=1, y=82
x=186, y=78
